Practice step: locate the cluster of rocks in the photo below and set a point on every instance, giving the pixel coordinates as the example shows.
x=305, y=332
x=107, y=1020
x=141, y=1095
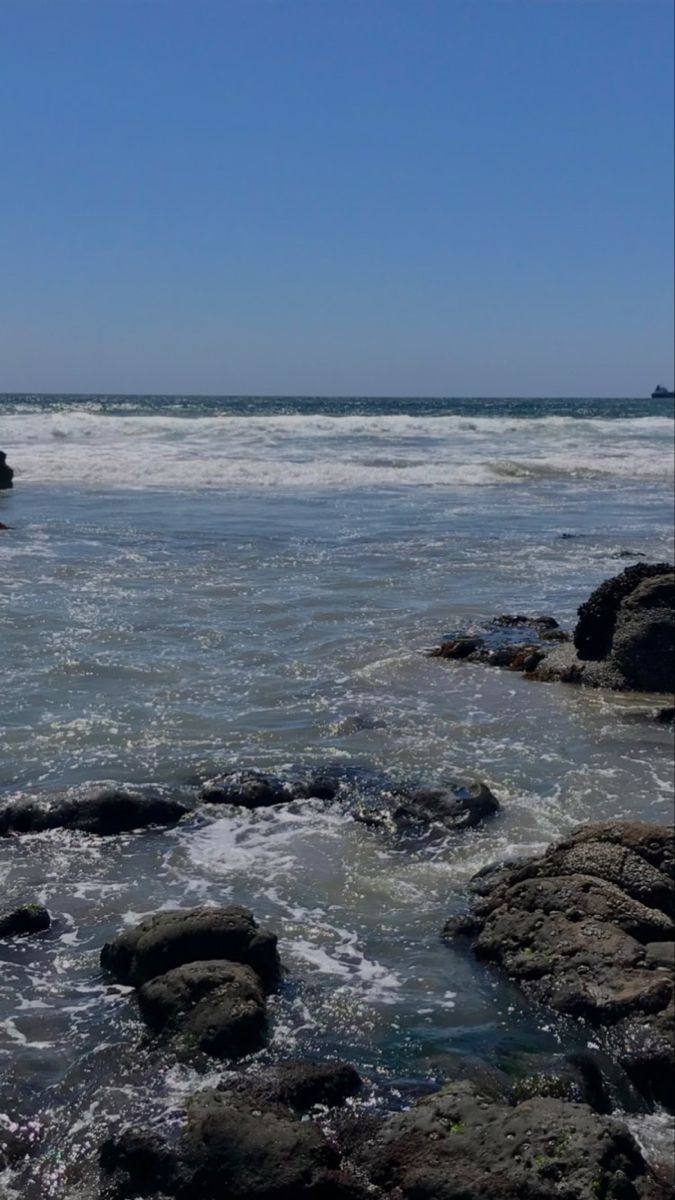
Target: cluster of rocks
x=458, y=1144
x=587, y=929
x=111, y=809
x=202, y=976
x=624, y=638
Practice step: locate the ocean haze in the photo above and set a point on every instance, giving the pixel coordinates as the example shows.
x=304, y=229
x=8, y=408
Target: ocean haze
x=382, y=198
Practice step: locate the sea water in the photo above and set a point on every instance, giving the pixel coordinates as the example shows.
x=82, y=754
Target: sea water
x=192, y=585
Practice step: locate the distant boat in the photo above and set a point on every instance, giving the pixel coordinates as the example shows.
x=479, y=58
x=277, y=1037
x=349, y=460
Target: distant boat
x=661, y=393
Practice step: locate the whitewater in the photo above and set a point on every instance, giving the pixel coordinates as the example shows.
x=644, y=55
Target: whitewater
x=191, y=585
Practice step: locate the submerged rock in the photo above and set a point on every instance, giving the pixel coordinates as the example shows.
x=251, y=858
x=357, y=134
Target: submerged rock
x=453, y=806
x=100, y=809
x=252, y=789
x=573, y=927
x=172, y=939
x=460, y=1145
x=29, y=918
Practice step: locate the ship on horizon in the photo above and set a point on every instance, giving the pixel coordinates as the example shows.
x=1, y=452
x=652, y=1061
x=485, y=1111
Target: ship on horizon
x=661, y=393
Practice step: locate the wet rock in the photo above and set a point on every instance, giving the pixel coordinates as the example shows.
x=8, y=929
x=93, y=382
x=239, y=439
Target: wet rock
x=236, y=1148
x=138, y=1162
x=6, y=473
x=576, y=1077
x=454, y=806
x=457, y=1145
x=172, y=939
x=30, y=918
x=102, y=810
x=594, y=632
x=666, y=716
x=573, y=926
x=217, y=1007
x=463, y=647
x=624, y=639
x=251, y=789
x=301, y=1086
x=643, y=645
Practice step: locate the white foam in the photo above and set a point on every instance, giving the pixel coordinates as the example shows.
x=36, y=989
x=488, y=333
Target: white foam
x=314, y=451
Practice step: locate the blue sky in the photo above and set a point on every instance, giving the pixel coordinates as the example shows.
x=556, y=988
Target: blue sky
x=432, y=197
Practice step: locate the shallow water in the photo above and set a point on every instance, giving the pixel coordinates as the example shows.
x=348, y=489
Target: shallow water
x=187, y=593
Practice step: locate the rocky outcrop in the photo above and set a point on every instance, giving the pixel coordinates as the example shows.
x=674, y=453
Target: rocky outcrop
x=578, y=927
x=595, y=628
x=253, y=789
x=6, y=473
x=624, y=638
x=452, y=806
x=231, y=1145
x=172, y=939
x=100, y=809
x=30, y=918
x=459, y=1145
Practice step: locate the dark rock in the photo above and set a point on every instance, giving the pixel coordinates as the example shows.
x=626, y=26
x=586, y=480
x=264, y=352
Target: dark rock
x=462, y=647
x=171, y=939
x=454, y=806
x=102, y=810
x=457, y=1145
x=217, y=1007
x=138, y=1162
x=666, y=716
x=572, y=927
x=301, y=1085
x=251, y=789
x=574, y=1077
x=643, y=646
x=6, y=472
x=597, y=616
x=30, y=918
x=233, y=1148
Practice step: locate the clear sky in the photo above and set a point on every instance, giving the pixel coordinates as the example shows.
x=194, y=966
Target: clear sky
x=387, y=197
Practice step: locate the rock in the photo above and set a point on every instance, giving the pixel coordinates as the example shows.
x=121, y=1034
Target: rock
x=462, y=647
x=624, y=638
x=457, y=1145
x=30, y=918
x=172, y=939
x=574, y=1077
x=217, y=1007
x=302, y=1086
x=102, y=810
x=594, y=632
x=234, y=1148
x=643, y=645
x=666, y=716
x=251, y=789
x=6, y=472
x=140, y=1161
x=573, y=926
x=454, y=806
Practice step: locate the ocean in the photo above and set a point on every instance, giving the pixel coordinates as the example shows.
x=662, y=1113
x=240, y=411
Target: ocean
x=196, y=584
